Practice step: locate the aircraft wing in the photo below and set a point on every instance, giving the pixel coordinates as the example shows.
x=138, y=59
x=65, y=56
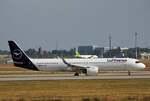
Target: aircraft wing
x=75, y=67
x=91, y=57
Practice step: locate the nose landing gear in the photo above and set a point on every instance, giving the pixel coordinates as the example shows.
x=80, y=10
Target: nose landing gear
x=129, y=73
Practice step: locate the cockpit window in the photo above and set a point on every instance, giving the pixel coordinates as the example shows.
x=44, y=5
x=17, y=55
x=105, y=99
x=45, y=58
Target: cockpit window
x=137, y=61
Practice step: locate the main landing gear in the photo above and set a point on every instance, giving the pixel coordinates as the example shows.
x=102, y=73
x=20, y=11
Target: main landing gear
x=76, y=74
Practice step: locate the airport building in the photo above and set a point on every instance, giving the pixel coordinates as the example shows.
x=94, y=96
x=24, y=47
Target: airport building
x=99, y=49
x=88, y=49
x=124, y=48
x=85, y=49
x=145, y=56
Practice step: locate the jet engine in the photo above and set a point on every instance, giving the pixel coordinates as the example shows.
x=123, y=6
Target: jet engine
x=91, y=70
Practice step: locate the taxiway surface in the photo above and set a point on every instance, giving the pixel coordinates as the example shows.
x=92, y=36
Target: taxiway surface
x=100, y=76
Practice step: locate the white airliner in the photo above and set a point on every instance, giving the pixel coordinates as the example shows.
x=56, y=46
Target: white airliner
x=87, y=66
x=85, y=56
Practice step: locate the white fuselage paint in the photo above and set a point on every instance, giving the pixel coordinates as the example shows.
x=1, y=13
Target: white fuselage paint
x=101, y=63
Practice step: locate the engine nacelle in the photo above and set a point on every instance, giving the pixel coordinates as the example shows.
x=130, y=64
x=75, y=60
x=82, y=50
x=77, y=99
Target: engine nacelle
x=92, y=71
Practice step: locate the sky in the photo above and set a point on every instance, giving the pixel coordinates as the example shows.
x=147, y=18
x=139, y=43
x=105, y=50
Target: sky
x=70, y=23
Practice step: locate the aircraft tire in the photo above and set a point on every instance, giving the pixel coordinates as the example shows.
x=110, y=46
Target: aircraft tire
x=76, y=74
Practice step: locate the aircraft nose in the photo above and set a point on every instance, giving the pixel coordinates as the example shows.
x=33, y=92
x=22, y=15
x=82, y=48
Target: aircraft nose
x=142, y=66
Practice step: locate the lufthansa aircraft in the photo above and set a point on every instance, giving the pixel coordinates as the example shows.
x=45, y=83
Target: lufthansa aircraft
x=87, y=66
